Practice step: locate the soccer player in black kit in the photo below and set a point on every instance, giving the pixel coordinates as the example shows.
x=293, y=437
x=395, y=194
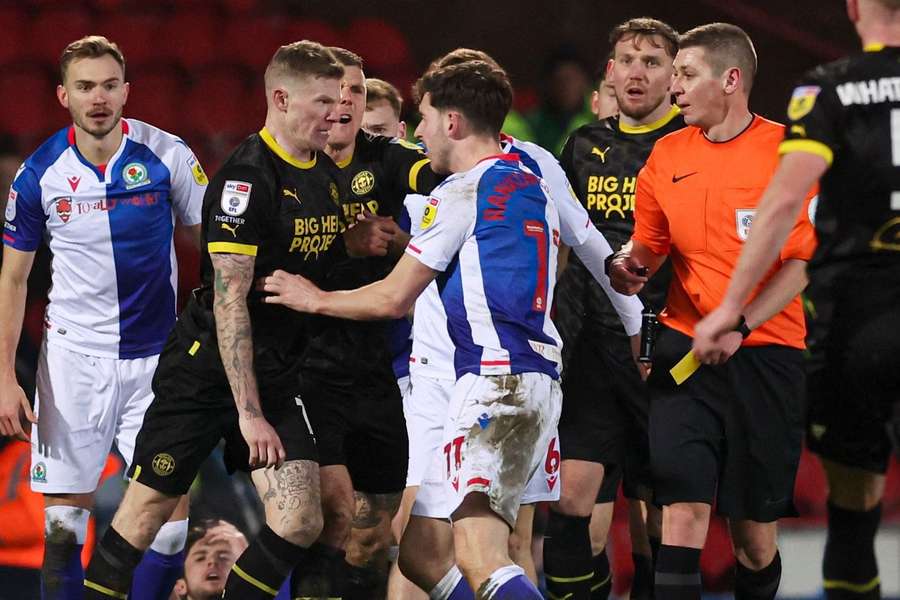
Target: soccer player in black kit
x=349, y=387
x=844, y=130
x=603, y=428
x=229, y=368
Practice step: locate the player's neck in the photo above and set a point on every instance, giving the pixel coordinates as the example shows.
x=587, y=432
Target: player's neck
x=881, y=34
x=98, y=151
x=343, y=154
x=300, y=152
x=736, y=120
x=658, y=114
x=470, y=151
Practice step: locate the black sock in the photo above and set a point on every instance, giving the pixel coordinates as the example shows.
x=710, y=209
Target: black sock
x=263, y=567
x=677, y=573
x=363, y=583
x=642, y=584
x=567, y=556
x=111, y=567
x=850, y=569
x=757, y=585
x=601, y=582
x=321, y=576
x=655, y=543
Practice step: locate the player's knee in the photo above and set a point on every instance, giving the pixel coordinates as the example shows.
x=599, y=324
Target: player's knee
x=755, y=554
x=338, y=519
x=367, y=544
x=301, y=527
x=516, y=544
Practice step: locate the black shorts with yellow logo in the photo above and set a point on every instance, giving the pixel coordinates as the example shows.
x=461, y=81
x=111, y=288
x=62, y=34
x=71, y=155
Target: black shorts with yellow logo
x=854, y=367
x=193, y=409
x=730, y=433
x=604, y=413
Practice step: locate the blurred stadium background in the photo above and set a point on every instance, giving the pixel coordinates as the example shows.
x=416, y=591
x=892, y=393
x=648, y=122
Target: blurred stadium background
x=195, y=68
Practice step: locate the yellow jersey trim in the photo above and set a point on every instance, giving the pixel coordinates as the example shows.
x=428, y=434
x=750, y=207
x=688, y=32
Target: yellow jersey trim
x=414, y=173
x=104, y=590
x=570, y=579
x=194, y=347
x=137, y=472
x=283, y=154
x=253, y=580
x=875, y=47
x=856, y=588
x=344, y=163
x=810, y=146
x=231, y=248
x=673, y=112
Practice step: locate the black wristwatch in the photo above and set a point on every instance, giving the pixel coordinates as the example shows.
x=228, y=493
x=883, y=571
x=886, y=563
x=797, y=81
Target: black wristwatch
x=743, y=328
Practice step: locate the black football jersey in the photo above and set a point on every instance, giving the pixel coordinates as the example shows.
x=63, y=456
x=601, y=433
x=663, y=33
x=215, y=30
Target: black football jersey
x=602, y=160
x=848, y=112
x=288, y=215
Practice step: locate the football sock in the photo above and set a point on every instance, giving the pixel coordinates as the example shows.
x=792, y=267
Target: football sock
x=263, y=566
x=850, y=570
x=677, y=573
x=757, y=585
x=567, y=556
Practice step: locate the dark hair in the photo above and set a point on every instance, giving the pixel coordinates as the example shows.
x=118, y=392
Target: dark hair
x=303, y=58
x=379, y=89
x=646, y=28
x=461, y=55
x=726, y=46
x=479, y=90
x=345, y=57
x=91, y=46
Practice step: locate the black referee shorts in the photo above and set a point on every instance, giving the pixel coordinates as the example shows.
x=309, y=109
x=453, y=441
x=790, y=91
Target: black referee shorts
x=363, y=428
x=854, y=369
x=193, y=409
x=604, y=413
x=730, y=433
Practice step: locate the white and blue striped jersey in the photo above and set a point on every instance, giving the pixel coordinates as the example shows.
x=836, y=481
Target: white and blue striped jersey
x=110, y=231
x=493, y=233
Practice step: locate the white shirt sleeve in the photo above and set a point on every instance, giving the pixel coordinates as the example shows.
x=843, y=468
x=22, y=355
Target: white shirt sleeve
x=447, y=221
x=592, y=252
x=188, y=185
x=574, y=222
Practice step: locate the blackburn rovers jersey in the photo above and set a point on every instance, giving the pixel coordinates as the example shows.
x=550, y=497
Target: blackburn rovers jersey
x=493, y=233
x=110, y=232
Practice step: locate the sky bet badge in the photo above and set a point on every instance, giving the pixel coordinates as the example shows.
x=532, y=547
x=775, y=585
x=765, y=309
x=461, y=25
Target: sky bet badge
x=235, y=197
x=802, y=101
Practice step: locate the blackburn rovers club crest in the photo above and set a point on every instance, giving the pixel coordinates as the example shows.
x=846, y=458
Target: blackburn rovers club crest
x=744, y=219
x=64, y=208
x=135, y=174
x=39, y=473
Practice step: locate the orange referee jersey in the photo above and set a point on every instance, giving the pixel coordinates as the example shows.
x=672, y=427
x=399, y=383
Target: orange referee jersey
x=695, y=202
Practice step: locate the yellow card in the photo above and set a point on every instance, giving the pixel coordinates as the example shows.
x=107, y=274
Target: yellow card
x=685, y=368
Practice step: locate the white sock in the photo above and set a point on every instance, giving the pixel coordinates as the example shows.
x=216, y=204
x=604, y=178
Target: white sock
x=501, y=576
x=70, y=518
x=171, y=538
x=446, y=585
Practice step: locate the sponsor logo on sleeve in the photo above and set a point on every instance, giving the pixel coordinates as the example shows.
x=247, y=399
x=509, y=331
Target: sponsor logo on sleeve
x=802, y=101
x=430, y=213
x=235, y=197
x=744, y=219
x=197, y=171
x=811, y=209
x=11, y=205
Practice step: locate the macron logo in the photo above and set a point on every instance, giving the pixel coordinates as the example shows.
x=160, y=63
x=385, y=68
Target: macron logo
x=73, y=182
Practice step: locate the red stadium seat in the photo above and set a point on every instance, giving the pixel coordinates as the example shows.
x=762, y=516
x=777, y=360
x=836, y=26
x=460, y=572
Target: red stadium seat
x=216, y=104
x=139, y=35
x=311, y=29
x=28, y=105
x=52, y=29
x=253, y=41
x=192, y=37
x=381, y=44
x=157, y=96
x=14, y=24
x=240, y=6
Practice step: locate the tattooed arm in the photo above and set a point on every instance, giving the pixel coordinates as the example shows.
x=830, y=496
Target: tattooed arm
x=233, y=278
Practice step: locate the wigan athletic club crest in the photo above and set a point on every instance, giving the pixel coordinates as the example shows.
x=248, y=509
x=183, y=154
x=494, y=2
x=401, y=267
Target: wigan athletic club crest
x=744, y=219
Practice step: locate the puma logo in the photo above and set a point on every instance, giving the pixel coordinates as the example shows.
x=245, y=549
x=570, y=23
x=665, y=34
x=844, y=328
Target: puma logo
x=233, y=229
x=291, y=194
x=600, y=153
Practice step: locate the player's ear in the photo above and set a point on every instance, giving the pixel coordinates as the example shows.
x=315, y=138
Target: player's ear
x=609, y=67
x=401, y=130
x=731, y=80
x=453, y=123
x=280, y=99
x=127, y=89
x=853, y=10
x=62, y=95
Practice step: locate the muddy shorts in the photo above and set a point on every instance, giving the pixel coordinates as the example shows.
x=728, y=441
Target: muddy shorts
x=496, y=437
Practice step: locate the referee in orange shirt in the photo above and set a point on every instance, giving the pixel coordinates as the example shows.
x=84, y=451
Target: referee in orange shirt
x=731, y=432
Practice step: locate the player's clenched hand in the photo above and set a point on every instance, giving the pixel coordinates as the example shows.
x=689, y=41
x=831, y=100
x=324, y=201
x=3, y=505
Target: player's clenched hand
x=627, y=275
x=370, y=235
x=265, y=445
x=13, y=407
x=710, y=329
x=294, y=291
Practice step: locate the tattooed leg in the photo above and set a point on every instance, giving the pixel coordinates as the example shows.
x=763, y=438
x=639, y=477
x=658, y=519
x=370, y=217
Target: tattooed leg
x=292, y=500
x=371, y=537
